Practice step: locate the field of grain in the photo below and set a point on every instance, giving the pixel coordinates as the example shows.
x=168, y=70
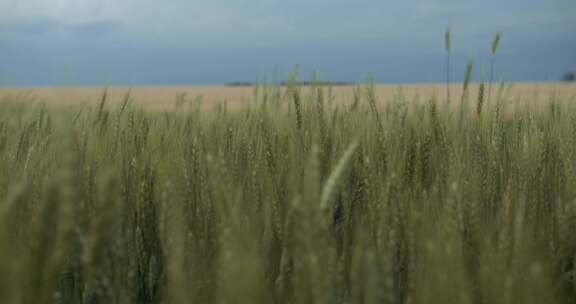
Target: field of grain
x=164, y=97
x=293, y=197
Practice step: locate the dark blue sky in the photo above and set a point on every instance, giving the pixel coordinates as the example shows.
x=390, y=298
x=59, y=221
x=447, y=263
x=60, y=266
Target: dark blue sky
x=95, y=42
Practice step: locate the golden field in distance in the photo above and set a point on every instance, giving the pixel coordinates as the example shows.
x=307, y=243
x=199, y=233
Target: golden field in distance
x=164, y=97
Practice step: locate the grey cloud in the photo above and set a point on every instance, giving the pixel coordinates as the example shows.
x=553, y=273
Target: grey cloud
x=39, y=31
x=96, y=29
x=29, y=26
x=220, y=41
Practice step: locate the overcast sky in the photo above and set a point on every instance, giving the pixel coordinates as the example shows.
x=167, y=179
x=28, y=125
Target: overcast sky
x=96, y=42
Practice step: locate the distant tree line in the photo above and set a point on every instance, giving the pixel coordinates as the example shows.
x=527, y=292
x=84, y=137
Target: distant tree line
x=569, y=77
x=300, y=83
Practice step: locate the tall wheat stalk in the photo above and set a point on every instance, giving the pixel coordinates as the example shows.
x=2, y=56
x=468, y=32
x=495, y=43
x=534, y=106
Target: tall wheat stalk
x=448, y=49
x=493, y=50
x=463, y=99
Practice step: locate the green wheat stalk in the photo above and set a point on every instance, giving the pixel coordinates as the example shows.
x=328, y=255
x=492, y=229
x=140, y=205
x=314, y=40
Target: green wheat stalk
x=333, y=182
x=467, y=77
x=448, y=48
x=493, y=50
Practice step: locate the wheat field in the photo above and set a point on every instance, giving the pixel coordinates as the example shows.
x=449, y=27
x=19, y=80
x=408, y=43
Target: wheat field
x=289, y=198
x=164, y=97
